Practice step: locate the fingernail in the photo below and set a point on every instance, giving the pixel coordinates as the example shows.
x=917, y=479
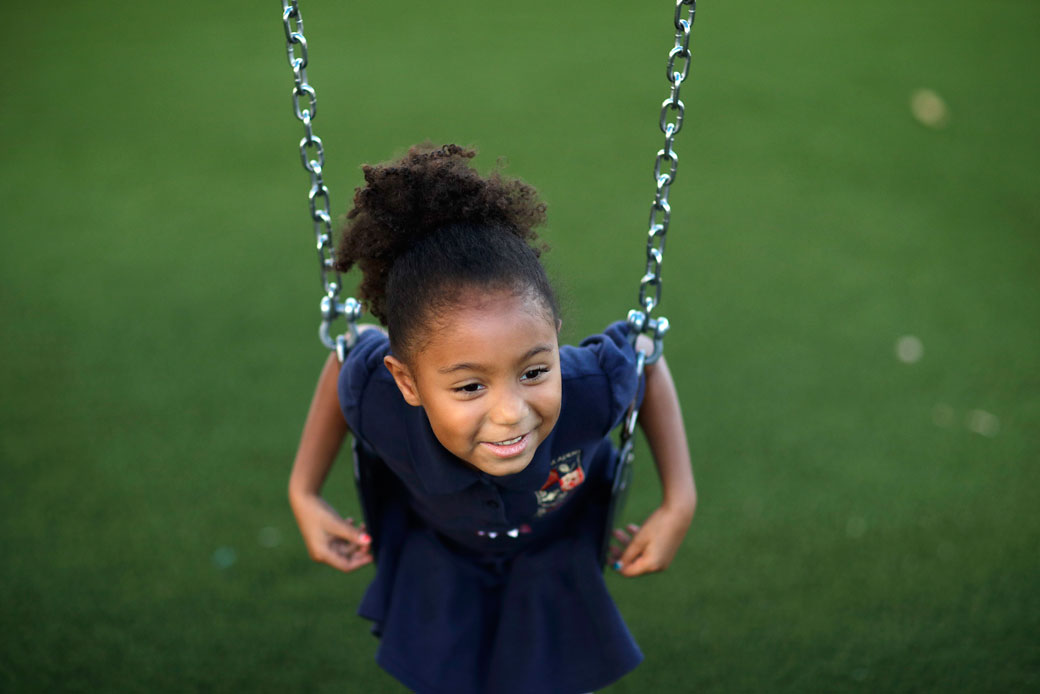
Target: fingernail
x=617, y=566
x=365, y=538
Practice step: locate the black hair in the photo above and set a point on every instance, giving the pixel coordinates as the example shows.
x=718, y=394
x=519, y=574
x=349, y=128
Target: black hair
x=428, y=227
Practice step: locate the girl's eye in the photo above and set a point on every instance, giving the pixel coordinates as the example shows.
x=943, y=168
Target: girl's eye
x=534, y=374
x=469, y=388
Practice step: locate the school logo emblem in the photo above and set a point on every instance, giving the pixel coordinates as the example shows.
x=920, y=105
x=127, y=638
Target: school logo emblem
x=566, y=475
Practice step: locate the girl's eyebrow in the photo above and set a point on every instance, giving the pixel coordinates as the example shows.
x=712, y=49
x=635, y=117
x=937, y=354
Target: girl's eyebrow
x=470, y=366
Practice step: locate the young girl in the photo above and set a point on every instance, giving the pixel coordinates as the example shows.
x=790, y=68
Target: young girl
x=498, y=441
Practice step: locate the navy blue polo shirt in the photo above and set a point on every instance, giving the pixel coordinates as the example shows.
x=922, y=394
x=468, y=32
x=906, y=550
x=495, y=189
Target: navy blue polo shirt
x=493, y=584
x=481, y=512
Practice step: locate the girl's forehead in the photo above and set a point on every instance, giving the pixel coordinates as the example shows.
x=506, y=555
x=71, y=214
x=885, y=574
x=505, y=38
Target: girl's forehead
x=488, y=328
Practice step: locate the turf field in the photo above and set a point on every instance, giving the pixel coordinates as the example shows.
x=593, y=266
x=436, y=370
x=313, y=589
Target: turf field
x=852, y=284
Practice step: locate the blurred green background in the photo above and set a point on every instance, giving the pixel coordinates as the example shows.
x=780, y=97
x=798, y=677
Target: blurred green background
x=852, y=289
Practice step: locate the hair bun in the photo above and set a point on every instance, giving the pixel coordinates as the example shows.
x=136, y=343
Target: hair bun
x=430, y=188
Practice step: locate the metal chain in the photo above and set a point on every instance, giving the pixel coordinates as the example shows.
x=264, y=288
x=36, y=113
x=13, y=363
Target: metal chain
x=640, y=321
x=666, y=166
x=312, y=156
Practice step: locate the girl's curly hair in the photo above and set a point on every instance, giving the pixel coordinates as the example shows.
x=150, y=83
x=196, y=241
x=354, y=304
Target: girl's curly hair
x=428, y=225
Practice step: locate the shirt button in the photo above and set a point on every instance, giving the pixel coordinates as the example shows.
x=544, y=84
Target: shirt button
x=491, y=503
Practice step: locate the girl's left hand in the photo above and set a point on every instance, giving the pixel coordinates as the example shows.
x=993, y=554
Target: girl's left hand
x=651, y=547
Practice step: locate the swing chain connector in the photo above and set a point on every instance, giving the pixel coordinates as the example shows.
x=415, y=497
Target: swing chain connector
x=330, y=310
x=640, y=323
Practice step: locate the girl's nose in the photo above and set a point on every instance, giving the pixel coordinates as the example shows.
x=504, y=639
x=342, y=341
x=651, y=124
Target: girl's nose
x=509, y=409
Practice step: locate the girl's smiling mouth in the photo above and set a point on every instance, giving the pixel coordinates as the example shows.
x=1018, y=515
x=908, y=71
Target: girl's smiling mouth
x=510, y=447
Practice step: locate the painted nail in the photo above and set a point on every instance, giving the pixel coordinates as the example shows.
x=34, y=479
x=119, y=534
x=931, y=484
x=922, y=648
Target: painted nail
x=617, y=566
x=365, y=538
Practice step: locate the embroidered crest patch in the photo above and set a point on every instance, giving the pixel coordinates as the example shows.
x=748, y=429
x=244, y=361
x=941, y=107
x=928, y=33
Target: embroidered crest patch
x=566, y=474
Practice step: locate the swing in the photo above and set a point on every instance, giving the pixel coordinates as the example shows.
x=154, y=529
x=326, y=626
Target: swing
x=375, y=483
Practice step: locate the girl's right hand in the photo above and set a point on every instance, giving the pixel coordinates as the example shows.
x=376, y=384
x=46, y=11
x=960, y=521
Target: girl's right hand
x=329, y=538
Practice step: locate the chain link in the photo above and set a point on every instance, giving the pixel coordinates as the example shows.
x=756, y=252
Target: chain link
x=312, y=156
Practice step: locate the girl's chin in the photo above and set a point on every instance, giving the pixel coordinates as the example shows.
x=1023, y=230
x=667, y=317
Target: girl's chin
x=497, y=467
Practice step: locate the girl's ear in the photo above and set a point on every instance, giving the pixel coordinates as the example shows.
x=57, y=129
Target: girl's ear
x=559, y=324
x=403, y=378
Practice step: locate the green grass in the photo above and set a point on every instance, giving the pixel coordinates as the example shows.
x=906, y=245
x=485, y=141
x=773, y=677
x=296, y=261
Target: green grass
x=159, y=299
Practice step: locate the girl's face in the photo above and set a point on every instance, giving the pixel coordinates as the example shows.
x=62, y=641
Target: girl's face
x=488, y=377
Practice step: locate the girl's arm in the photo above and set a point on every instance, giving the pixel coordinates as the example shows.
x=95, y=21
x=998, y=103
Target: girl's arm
x=329, y=538
x=653, y=546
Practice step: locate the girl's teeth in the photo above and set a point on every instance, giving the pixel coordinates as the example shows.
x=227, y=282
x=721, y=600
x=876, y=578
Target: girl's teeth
x=509, y=442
